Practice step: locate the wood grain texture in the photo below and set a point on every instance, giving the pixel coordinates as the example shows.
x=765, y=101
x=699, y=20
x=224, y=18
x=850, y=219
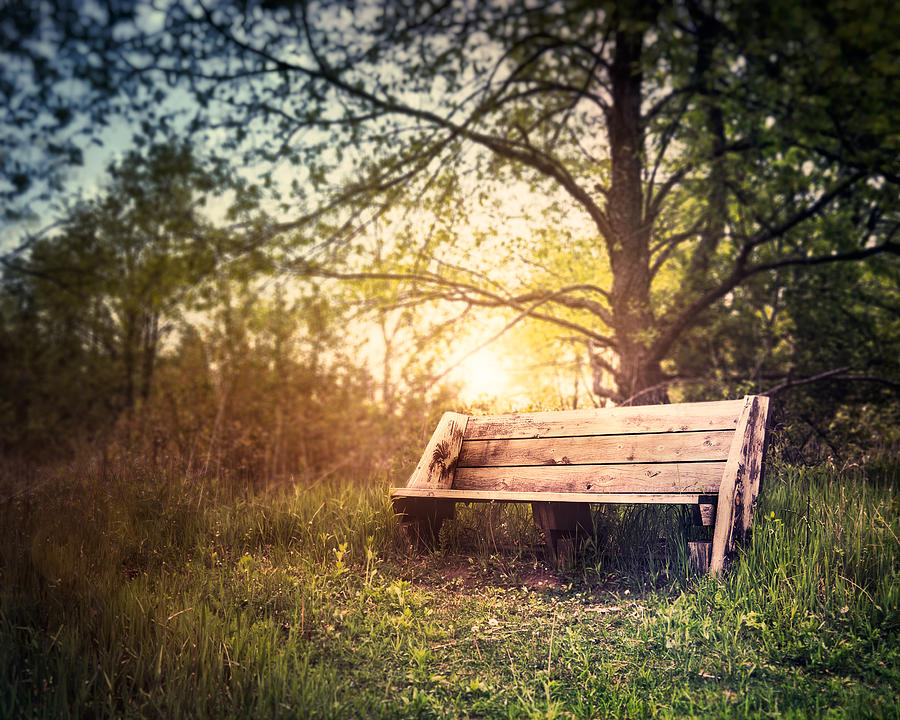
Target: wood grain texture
x=684, y=417
x=729, y=509
x=438, y=463
x=686, y=453
x=645, y=448
x=515, y=496
x=700, y=552
x=755, y=458
x=701, y=477
x=706, y=511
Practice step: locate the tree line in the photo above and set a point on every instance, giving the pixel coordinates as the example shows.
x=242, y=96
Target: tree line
x=136, y=326
x=700, y=198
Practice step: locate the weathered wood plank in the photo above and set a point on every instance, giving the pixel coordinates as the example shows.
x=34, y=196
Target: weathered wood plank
x=755, y=467
x=720, y=415
x=516, y=496
x=729, y=510
x=438, y=462
x=644, y=448
x=663, y=477
x=700, y=552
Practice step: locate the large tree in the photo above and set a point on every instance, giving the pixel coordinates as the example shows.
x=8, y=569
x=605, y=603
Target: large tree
x=635, y=163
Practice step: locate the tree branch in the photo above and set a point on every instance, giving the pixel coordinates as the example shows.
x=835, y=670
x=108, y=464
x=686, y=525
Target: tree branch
x=468, y=293
x=770, y=233
x=516, y=152
x=834, y=374
x=690, y=315
x=527, y=312
x=885, y=247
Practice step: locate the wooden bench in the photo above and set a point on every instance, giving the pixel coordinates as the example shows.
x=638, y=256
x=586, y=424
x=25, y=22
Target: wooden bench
x=708, y=455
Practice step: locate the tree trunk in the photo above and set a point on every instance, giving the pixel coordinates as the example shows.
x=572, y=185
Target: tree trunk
x=129, y=358
x=638, y=380
x=149, y=343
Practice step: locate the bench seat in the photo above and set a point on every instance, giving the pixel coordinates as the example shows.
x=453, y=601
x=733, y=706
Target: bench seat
x=708, y=455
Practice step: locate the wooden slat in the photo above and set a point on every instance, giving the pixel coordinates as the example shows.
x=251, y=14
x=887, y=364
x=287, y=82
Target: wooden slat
x=649, y=448
x=516, y=496
x=721, y=415
x=663, y=477
x=438, y=462
x=755, y=460
x=731, y=493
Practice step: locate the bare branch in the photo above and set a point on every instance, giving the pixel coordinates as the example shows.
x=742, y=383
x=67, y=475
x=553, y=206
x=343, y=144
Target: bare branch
x=885, y=247
x=806, y=213
x=655, y=201
x=834, y=374
x=465, y=292
x=649, y=390
x=527, y=312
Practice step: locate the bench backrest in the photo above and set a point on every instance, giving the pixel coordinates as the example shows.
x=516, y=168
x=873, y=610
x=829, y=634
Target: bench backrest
x=675, y=448
x=680, y=448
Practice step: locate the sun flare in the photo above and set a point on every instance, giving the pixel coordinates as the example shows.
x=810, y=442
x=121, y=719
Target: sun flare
x=482, y=375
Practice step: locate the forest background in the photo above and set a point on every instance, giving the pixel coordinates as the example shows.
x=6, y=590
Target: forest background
x=334, y=218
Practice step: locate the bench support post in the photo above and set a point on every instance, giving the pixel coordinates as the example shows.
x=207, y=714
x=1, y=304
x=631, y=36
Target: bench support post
x=420, y=519
x=700, y=553
x=740, y=483
x=699, y=541
x=565, y=525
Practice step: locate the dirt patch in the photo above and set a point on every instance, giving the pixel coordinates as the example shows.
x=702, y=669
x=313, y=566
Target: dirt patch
x=463, y=573
x=443, y=572
x=541, y=579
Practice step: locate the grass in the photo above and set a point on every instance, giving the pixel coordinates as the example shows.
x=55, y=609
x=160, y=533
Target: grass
x=138, y=595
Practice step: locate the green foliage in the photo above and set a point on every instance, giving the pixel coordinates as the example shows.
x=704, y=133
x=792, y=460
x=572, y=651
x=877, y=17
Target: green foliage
x=269, y=391
x=139, y=328
x=621, y=171
x=55, y=95
x=823, y=344
x=87, y=306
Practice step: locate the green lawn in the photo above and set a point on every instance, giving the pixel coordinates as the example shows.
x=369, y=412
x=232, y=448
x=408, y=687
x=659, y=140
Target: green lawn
x=137, y=595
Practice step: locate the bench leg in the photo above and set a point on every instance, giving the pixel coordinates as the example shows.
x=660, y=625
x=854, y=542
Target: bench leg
x=701, y=552
x=704, y=516
x=420, y=519
x=564, y=525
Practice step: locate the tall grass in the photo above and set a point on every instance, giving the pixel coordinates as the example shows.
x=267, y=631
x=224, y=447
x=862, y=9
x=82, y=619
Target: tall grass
x=820, y=581
x=129, y=593
x=827, y=543
x=138, y=592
